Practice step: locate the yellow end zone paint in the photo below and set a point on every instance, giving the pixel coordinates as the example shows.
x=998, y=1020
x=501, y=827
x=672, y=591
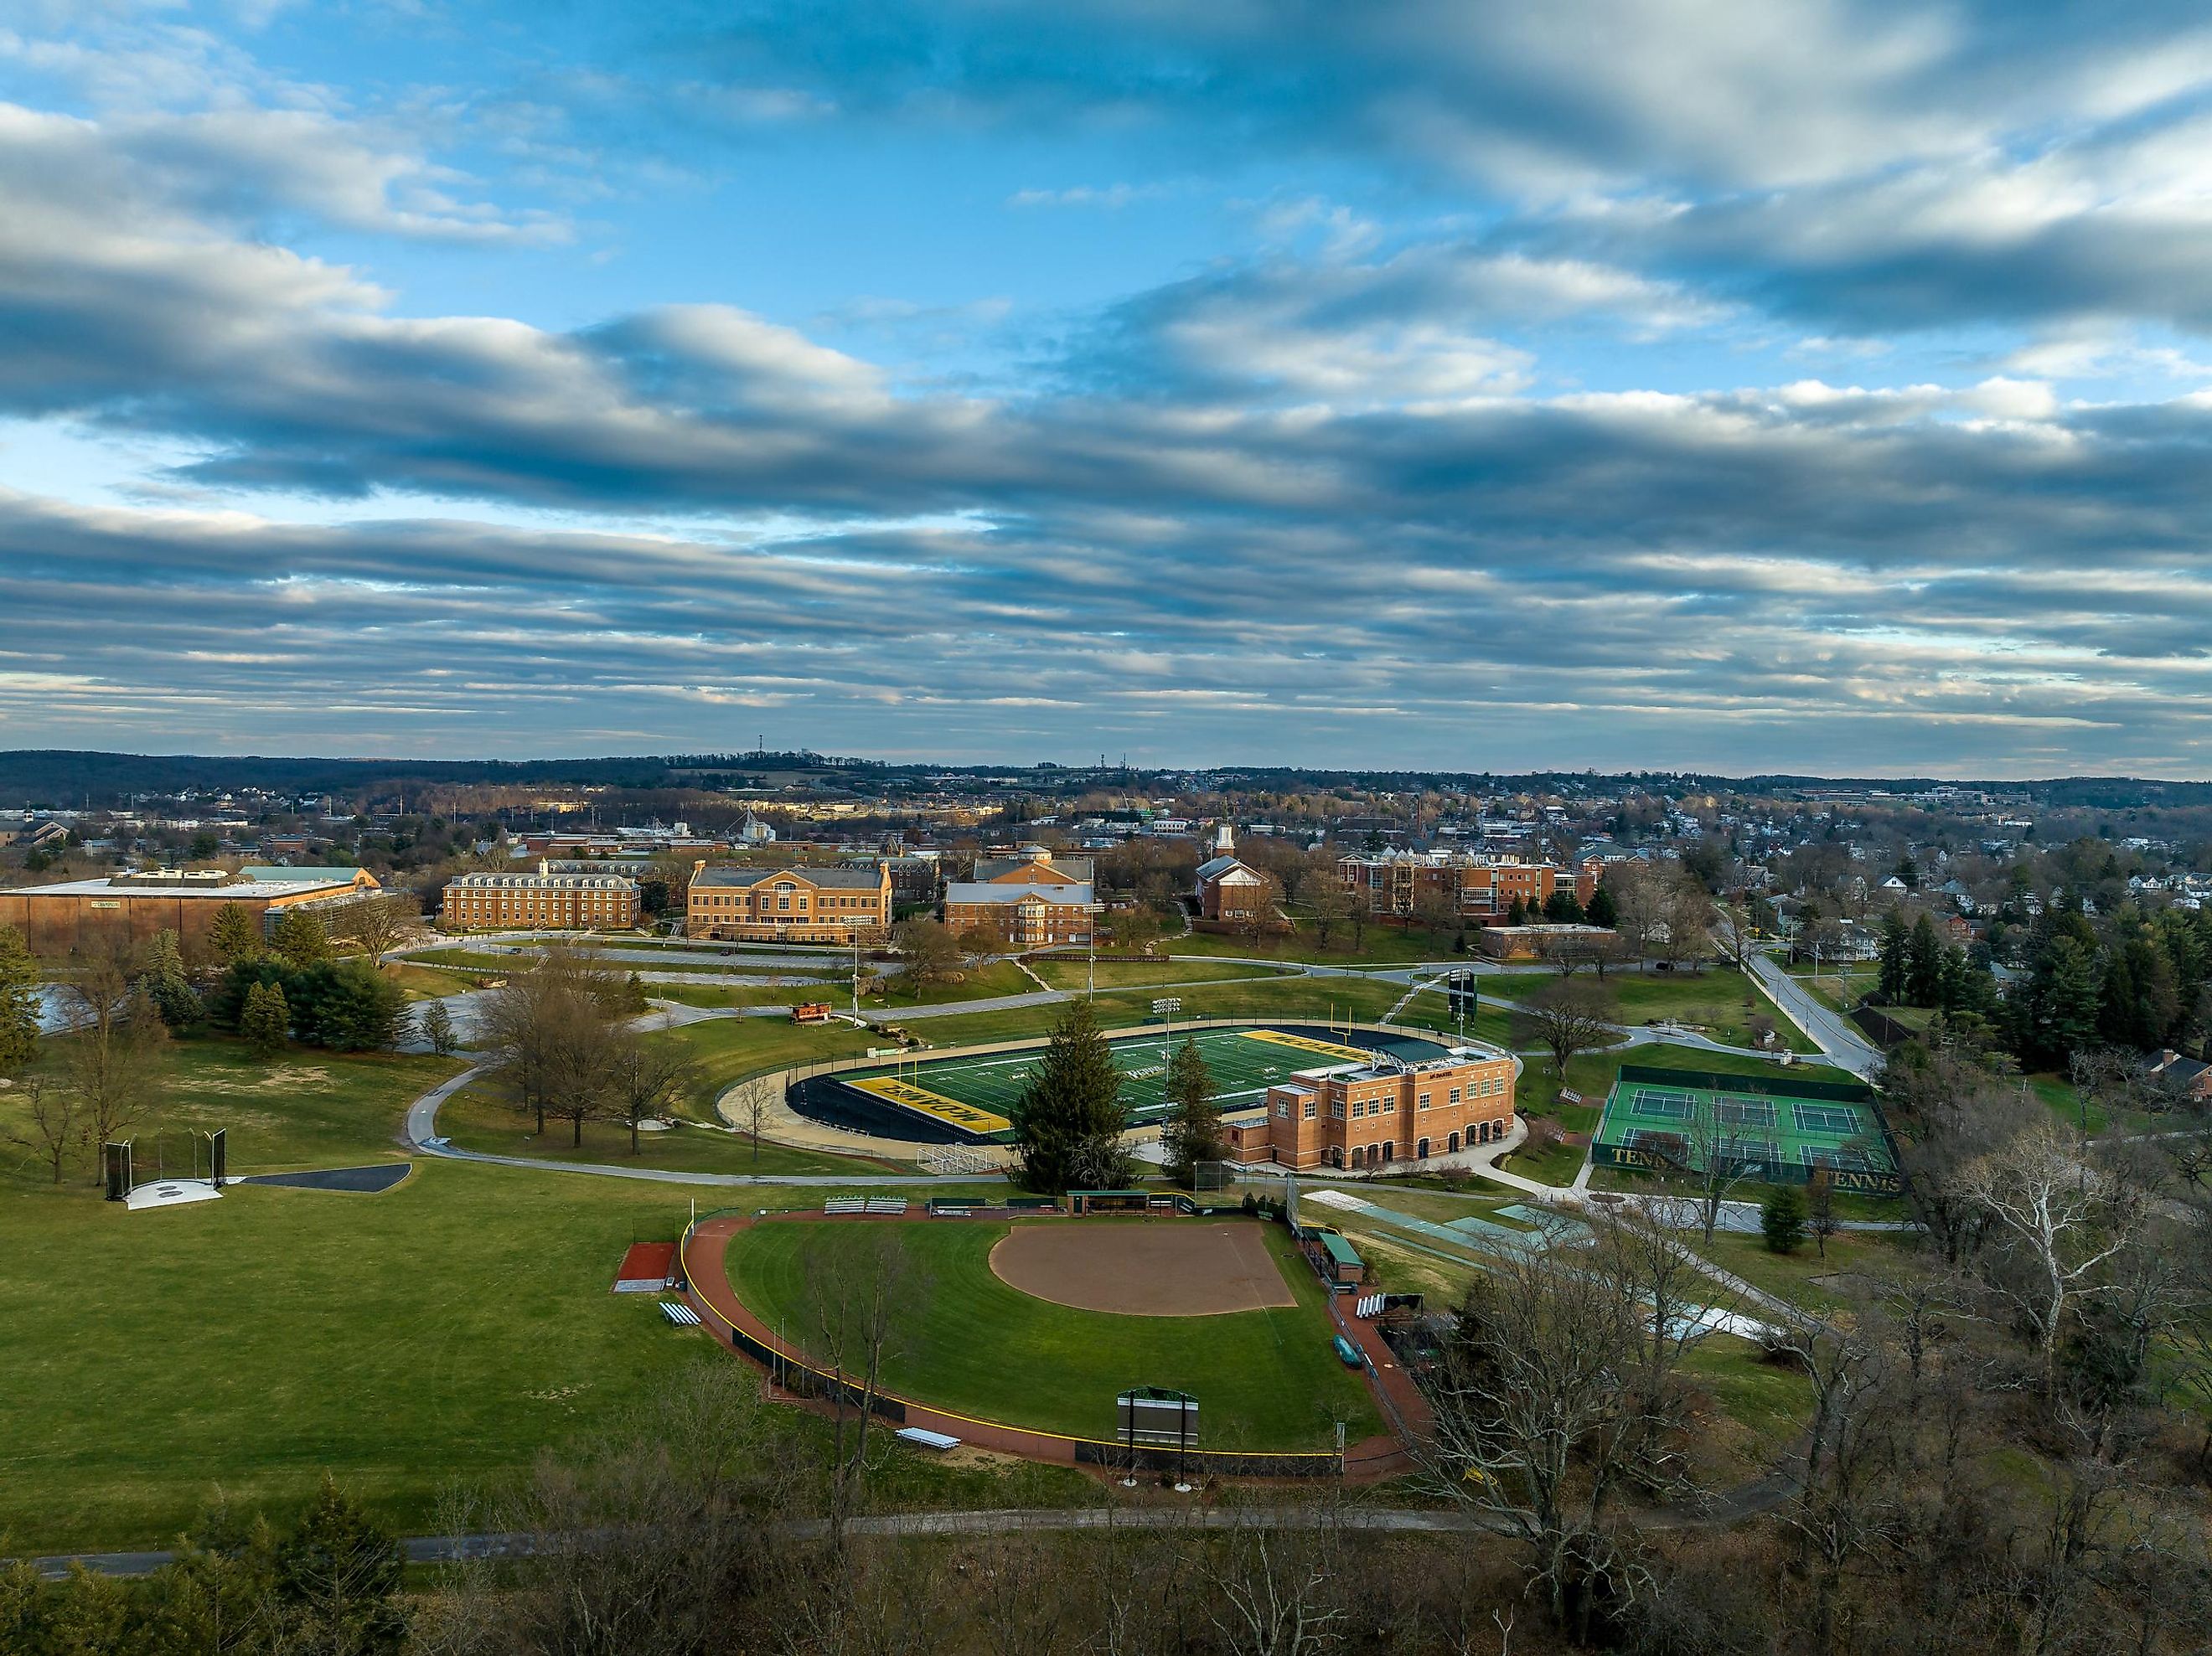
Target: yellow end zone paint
x=1308, y=1044
x=949, y=1110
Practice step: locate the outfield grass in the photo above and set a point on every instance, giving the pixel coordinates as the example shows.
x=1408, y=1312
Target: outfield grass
x=971, y=1345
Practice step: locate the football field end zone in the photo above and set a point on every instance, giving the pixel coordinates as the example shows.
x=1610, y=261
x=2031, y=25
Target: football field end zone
x=787, y=1126
x=706, y=1288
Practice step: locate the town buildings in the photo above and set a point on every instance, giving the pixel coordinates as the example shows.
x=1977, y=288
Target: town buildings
x=551, y=900
x=789, y=905
x=1380, y=1112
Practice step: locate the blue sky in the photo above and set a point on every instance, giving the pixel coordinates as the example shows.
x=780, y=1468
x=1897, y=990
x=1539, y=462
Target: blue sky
x=1796, y=384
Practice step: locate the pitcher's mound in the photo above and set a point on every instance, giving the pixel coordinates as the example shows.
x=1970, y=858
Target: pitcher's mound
x=1162, y=1268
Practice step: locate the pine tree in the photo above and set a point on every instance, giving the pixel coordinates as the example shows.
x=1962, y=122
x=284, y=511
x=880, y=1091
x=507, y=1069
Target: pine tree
x=299, y=939
x=234, y=932
x=267, y=1020
x=1782, y=1217
x=1068, y=1121
x=1890, y=980
x=438, y=1029
x=19, y=1002
x=1192, y=1132
x=1924, y=965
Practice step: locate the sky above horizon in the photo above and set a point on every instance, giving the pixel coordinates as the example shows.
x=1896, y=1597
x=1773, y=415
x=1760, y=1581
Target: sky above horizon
x=1732, y=386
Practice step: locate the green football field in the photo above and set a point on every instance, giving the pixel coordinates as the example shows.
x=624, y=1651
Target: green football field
x=978, y=1094
x=1771, y=1127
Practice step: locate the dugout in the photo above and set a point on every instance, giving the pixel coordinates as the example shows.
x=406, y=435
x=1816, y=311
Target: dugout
x=1080, y=1202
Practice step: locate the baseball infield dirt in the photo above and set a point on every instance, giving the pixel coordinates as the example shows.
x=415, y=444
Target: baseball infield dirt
x=1146, y=1268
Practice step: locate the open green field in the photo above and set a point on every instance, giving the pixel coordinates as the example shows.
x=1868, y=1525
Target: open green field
x=972, y=1345
x=1071, y=972
x=305, y=1108
x=1243, y=1063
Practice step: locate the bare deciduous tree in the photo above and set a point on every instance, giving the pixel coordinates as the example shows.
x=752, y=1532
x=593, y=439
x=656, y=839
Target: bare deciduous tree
x=2060, y=1227
x=1567, y=1019
x=56, y=1129
x=112, y=1061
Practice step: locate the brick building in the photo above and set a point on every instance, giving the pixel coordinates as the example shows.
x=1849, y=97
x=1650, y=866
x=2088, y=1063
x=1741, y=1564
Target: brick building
x=1479, y=887
x=551, y=900
x=75, y=915
x=1023, y=916
x=1233, y=892
x=789, y=905
x=1375, y=1114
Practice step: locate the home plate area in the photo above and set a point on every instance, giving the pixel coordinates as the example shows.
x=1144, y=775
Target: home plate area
x=1146, y=1268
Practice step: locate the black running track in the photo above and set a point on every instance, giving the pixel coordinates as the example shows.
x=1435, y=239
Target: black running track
x=369, y=1180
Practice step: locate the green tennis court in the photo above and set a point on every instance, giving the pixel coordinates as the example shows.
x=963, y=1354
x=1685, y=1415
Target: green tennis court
x=1770, y=1127
x=976, y=1095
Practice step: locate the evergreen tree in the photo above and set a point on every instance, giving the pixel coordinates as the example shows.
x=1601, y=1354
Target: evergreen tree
x=234, y=933
x=1192, y=1132
x=1924, y=965
x=299, y=939
x=167, y=984
x=19, y=1002
x=266, y=1019
x=1890, y=975
x=438, y=1029
x=337, y=1581
x=1782, y=1218
x=1068, y=1121
x=1603, y=910
x=2065, y=994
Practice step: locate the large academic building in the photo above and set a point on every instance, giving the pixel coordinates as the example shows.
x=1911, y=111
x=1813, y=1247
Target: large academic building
x=550, y=900
x=1478, y=887
x=75, y=915
x=789, y=905
x=1373, y=1115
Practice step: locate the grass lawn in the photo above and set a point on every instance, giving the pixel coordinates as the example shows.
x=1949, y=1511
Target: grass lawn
x=976, y=982
x=1711, y=999
x=305, y=1108
x=443, y=1333
x=1381, y=946
x=482, y=1117
x=1791, y=1276
x=1069, y=971
x=446, y=1328
x=1265, y=1380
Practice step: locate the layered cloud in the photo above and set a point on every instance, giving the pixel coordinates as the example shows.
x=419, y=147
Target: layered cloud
x=1520, y=461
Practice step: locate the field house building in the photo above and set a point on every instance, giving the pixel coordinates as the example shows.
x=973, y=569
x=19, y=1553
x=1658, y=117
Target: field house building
x=549, y=900
x=75, y=915
x=1373, y=1114
x=1478, y=886
x=789, y=905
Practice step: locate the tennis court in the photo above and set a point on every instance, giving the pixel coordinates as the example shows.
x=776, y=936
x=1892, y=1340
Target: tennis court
x=1773, y=1128
x=977, y=1095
